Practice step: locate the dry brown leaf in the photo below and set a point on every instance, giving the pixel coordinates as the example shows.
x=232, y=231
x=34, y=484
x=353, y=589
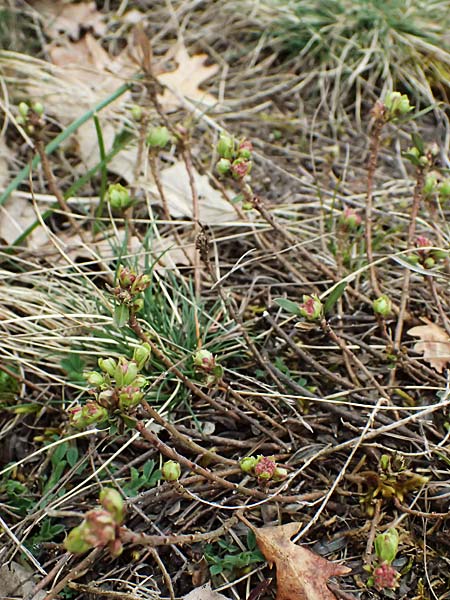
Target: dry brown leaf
x=59, y=18
x=213, y=208
x=301, y=574
x=434, y=344
x=204, y=593
x=186, y=79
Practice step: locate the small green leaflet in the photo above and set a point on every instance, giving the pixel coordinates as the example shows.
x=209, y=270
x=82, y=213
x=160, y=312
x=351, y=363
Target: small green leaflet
x=288, y=305
x=334, y=297
x=121, y=315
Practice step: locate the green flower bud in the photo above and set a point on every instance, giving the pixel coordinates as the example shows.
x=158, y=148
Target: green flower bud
x=429, y=262
x=93, y=413
x=248, y=463
x=223, y=166
x=140, y=284
x=23, y=109
x=94, y=378
x=245, y=149
x=171, y=471
x=125, y=277
x=136, y=113
x=129, y=397
x=444, y=188
x=350, y=219
x=141, y=354
x=265, y=468
x=225, y=146
x=423, y=161
x=118, y=196
x=158, y=137
x=38, y=108
x=204, y=359
x=439, y=254
x=140, y=381
x=113, y=502
x=138, y=304
x=280, y=473
x=75, y=542
x=397, y=104
x=382, y=306
x=386, y=545
x=430, y=184
x=107, y=365
x=312, y=308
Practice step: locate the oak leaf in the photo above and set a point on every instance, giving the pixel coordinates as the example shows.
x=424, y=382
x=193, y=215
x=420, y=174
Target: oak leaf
x=185, y=80
x=434, y=344
x=301, y=574
x=59, y=18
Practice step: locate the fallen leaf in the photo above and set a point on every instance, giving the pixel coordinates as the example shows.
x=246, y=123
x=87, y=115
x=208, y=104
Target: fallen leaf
x=301, y=574
x=186, y=79
x=434, y=344
x=59, y=18
x=16, y=215
x=213, y=208
x=18, y=582
x=204, y=593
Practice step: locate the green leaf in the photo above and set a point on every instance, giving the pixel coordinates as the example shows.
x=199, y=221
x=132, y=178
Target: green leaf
x=418, y=143
x=59, y=453
x=215, y=569
x=412, y=158
x=72, y=455
x=334, y=297
x=288, y=305
x=121, y=315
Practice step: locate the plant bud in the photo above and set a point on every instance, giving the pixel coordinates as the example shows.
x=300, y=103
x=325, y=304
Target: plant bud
x=204, y=359
x=430, y=184
x=107, y=365
x=136, y=113
x=93, y=413
x=223, y=166
x=118, y=196
x=265, y=468
x=444, y=189
x=125, y=277
x=397, y=104
x=130, y=371
x=423, y=161
x=23, y=109
x=94, y=378
x=385, y=577
x=171, y=471
x=138, y=304
x=245, y=149
x=350, y=218
x=386, y=545
x=113, y=502
x=38, y=108
x=75, y=542
x=140, y=284
x=158, y=137
x=312, y=308
x=141, y=354
x=248, y=463
x=130, y=397
x=240, y=168
x=101, y=527
x=280, y=474
x=382, y=305
x=225, y=146
x=429, y=262
x=140, y=381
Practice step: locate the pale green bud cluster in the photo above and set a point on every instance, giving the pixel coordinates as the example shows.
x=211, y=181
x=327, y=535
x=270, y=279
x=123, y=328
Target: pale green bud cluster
x=158, y=137
x=397, y=105
x=235, y=157
x=118, y=196
x=264, y=468
x=30, y=116
x=311, y=308
x=128, y=290
x=382, y=305
x=101, y=527
x=171, y=471
x=119, y=385
x=206, y=366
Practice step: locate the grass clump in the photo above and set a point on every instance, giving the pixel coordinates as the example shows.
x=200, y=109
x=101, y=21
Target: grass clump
x=367, y=45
